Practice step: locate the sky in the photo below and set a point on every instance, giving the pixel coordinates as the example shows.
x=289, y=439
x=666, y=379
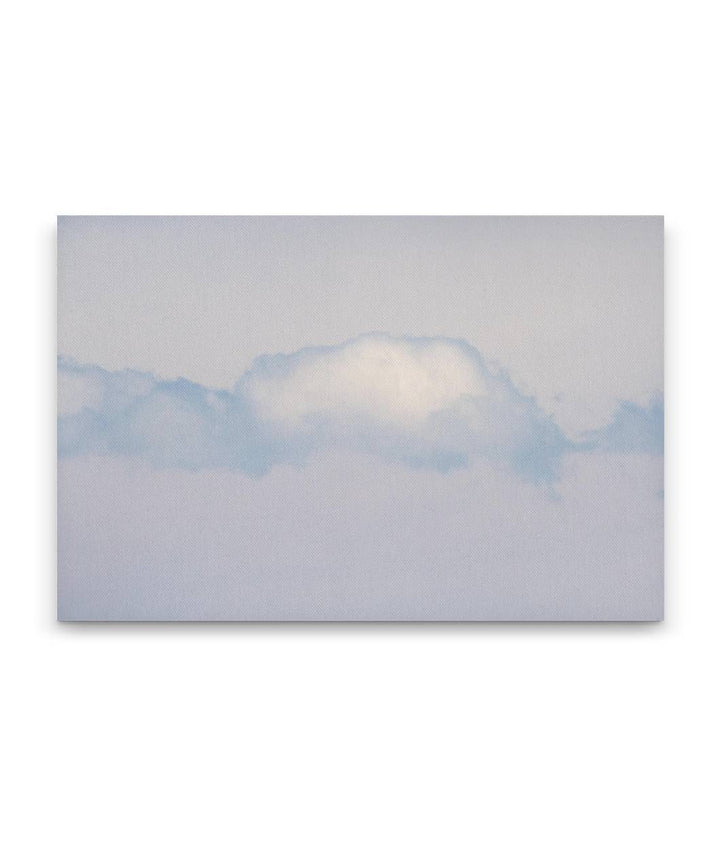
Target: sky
x=570, y=307
x=360, y=418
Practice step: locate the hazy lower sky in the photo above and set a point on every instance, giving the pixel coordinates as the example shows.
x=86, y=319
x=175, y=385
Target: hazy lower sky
x=361, y=418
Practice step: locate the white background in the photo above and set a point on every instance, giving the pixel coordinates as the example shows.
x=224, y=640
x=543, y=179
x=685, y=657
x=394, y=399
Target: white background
x=359, y=739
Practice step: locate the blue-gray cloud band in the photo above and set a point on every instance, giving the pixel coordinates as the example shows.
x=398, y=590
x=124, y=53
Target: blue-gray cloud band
x=429, y=403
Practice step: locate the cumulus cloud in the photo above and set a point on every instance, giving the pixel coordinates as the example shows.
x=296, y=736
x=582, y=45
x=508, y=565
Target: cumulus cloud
x=393, y=382
x=428, y=403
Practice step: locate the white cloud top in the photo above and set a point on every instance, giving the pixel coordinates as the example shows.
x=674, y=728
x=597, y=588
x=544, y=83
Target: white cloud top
x=375, y=378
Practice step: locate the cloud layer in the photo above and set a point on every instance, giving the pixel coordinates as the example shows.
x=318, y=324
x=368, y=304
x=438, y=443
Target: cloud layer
x=428, y=403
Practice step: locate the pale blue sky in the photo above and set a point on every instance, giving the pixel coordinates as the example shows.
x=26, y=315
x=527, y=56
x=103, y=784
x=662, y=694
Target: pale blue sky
x=571, y=307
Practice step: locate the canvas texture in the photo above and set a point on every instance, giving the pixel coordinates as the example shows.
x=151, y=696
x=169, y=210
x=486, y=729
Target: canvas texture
x=360, y=418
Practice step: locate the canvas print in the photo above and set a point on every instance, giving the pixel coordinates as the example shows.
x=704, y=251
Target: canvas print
x=360, y=418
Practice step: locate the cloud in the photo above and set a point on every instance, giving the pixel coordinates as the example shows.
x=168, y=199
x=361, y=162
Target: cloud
x=392, y=382
x=634, y=428
x=427, y=403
